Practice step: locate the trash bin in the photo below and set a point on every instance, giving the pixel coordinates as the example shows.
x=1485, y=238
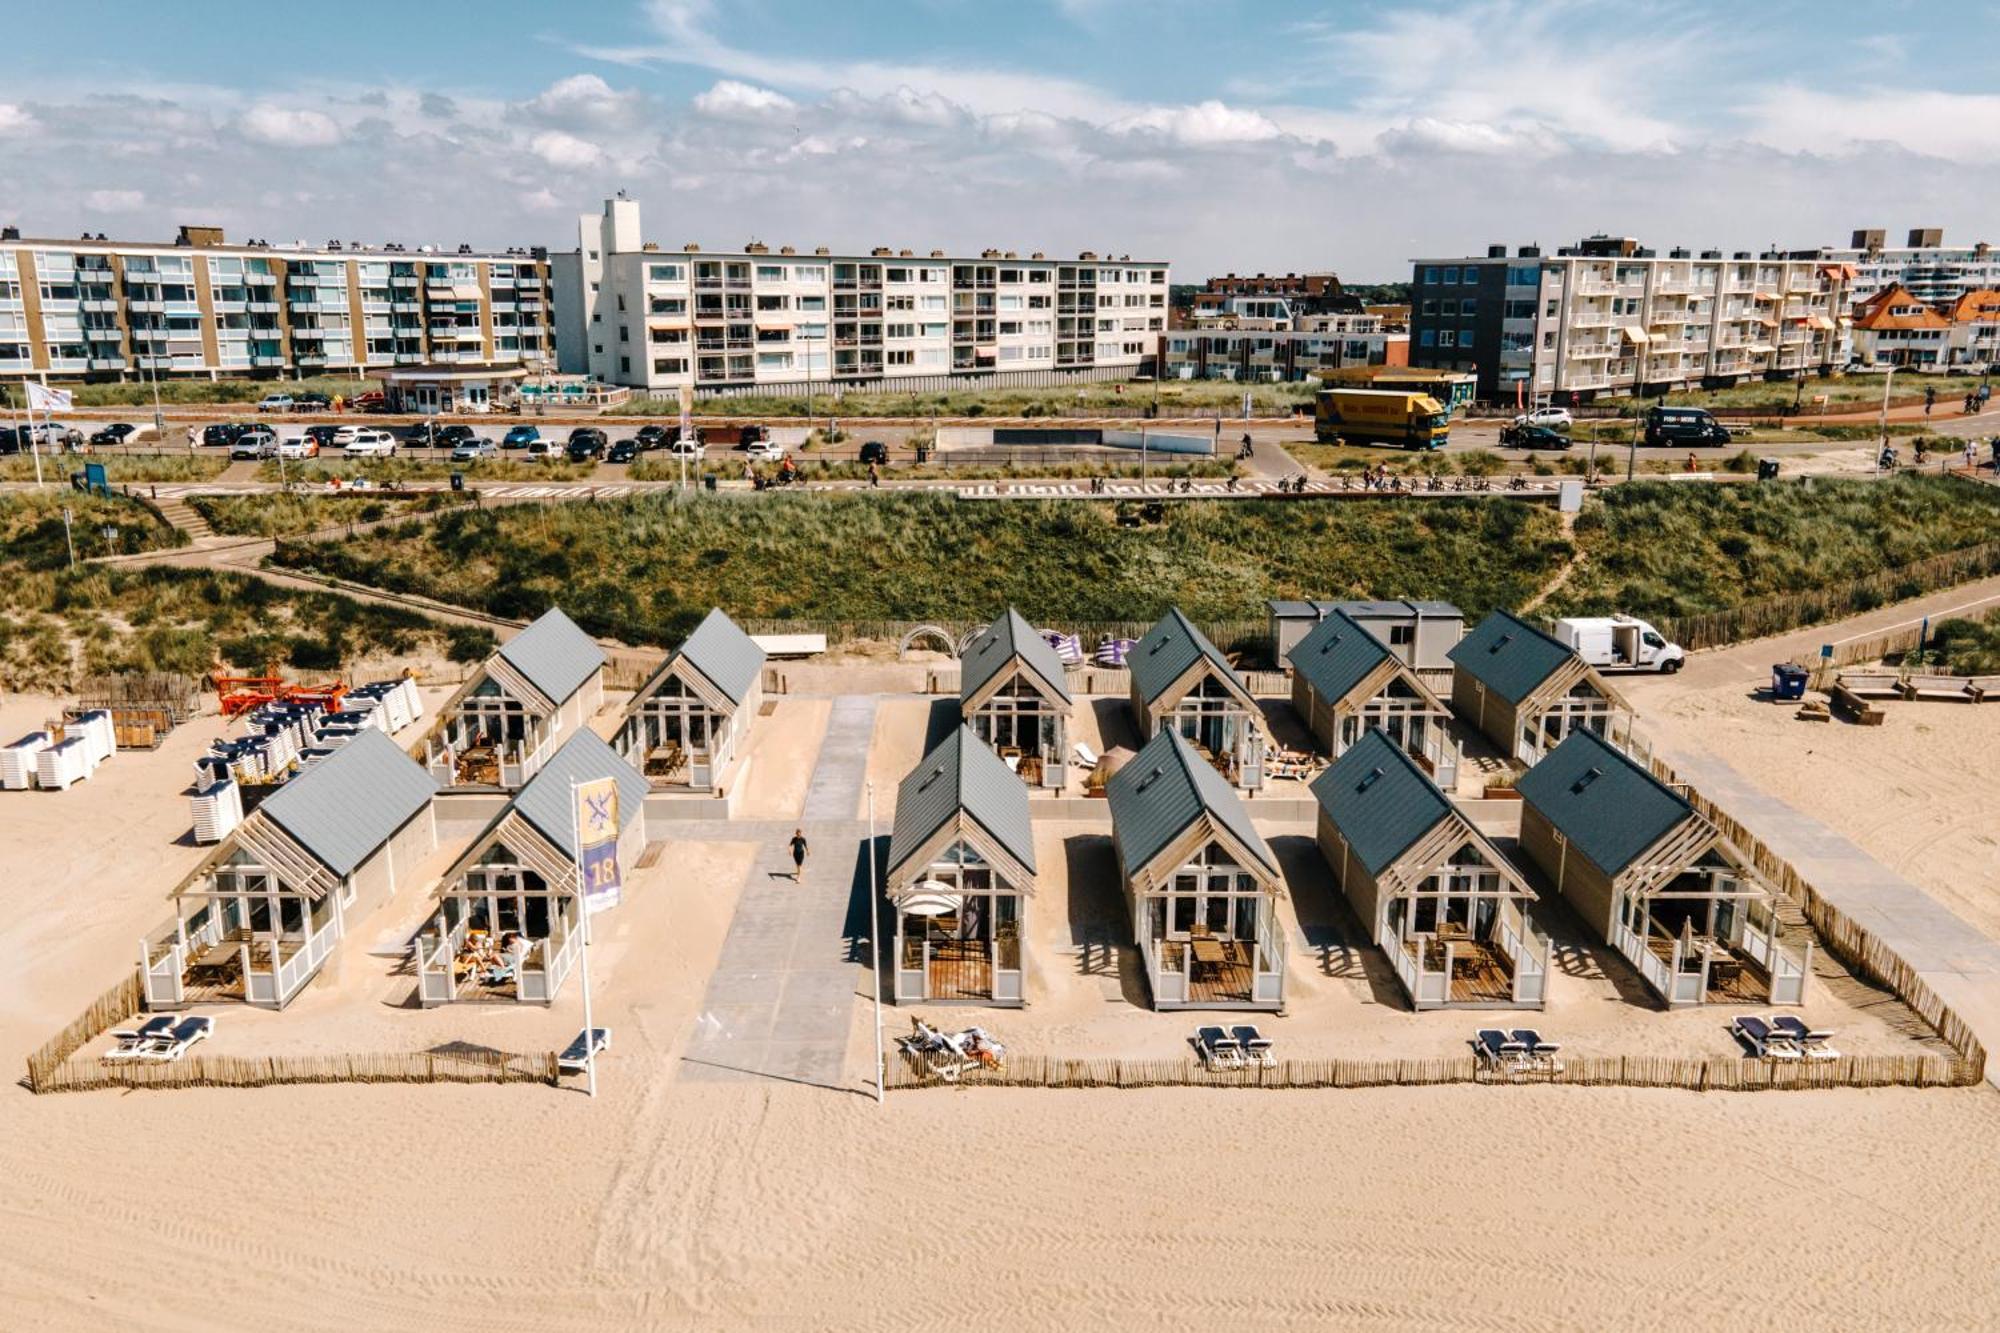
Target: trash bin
x=458, y=481
x=708, y=481
x=1788, y=682
x=923, y=453
x=1767, y=469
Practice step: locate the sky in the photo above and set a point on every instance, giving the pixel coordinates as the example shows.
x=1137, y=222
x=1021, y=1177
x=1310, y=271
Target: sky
x=1222, y=136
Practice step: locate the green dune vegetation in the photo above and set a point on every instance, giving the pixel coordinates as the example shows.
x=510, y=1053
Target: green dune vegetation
x=281, y=515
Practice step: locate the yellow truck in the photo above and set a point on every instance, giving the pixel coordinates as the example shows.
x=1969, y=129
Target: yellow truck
x=1381, y=416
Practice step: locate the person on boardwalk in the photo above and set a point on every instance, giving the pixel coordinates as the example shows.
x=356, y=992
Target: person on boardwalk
x=800, y=847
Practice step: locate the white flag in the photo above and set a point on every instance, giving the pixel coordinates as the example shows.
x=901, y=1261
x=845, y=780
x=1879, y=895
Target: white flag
x=41, y=398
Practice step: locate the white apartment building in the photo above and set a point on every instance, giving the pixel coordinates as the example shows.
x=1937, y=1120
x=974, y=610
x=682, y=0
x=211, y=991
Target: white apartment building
x=99, y=309
x=1252, y=347
x=1924, y=267
x=770, y=320
x=1608, y=317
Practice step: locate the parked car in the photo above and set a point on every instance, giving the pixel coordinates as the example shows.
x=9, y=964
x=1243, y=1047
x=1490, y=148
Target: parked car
x=422, y=435
x=545, y=449
x=55, y=434
x=589, y=438
x=651, y=437
x=322, y=435
x=372, y=401
x=311, y=402
x=11, y=440
x=302, y=445
x=764, y=451
x=624, y=451
x=472, y=450
x=368, y=441
x=1675, y=426
x=1528, y=435
x=1555, y=418
x=874, y=451
x=120, y=432
x=346, y=435
x=222, y=433
x=520, y=437
x=275, y=402
x=1620, y=643
x=256, y=442
x=692, y=450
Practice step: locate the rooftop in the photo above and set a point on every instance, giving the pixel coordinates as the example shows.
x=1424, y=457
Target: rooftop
x=347, y=805
x=961, y=775
x=1608, y=808
x=1162, y=791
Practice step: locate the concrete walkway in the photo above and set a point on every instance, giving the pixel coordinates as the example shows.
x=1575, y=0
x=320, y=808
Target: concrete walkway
x=1958, y=962
x=781, y=999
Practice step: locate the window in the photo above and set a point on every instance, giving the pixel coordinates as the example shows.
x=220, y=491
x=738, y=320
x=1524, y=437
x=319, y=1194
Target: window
x=624, y=333
x=770, y=272
x=1465, y=307
x=937, y=302
x=1430, y=273
x=900, y=356
x=1427, y=338
x=670, y=365
x=1447, y=338
x=773, y=302
x=1451, y=275
x=899, y=331
x=812, y=303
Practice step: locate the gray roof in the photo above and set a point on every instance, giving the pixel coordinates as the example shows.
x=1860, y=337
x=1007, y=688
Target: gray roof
x=1508, y=656
x=1379, y=800
x=724, y=654
x=1168, y=650
x=347, y=805
x=553, y=655
x=1289, y=609
x=1381, y=610
x=1005, y=639
x=1161, y=791
x=1335, y=656
x=1608, y=807
x=545, y=802
x=961, y=774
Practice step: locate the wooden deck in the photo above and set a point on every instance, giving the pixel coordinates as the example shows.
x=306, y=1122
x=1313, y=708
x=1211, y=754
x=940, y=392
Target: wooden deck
x=961, y=971
x=1230, y=982
x=1748, y=983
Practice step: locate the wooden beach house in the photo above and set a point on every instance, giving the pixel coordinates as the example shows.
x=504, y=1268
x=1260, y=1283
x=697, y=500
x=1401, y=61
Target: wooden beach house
x=1526, y=691
x=1182, y=683
x=1014, y=694
x=960, y=871
x=259, y=916
x=1201, y=884
x=688, y=724
x=534, y=691
x=1346, y=681
x=1420, y=634
x=1431, y=891
x=1655, y=879
x=508, y=924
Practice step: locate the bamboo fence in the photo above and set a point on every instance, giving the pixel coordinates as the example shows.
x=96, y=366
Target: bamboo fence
x=1693, y=1074
x=105, y=1012
x=263, y=1071
x=1243, y=636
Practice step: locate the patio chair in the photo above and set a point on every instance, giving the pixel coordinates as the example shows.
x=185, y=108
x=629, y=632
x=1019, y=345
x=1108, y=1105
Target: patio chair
x=1810, y=1041
x=1218, y=1050
x=1540, y=1053
x=175, y=1043
x=133, y=1042
x=1757, y=1036
x=575, y=1055
x=1085, y=755
x=1255, y=1045
x=1497, y=1050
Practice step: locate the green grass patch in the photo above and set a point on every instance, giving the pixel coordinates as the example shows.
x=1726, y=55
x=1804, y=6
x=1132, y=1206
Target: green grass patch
x=284, y=515
x=1962, y=646
x=118, y=467
x=646, y=568
x=173, y=392
x=321, y=470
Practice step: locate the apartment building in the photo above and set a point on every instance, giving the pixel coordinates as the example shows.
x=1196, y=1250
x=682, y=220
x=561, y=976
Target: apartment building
x=1896, y=327
x=1924, y=267
x=1295, y=294
x=1325, y=342
x=768, y=320
x=94, y=308
x=1607, y=317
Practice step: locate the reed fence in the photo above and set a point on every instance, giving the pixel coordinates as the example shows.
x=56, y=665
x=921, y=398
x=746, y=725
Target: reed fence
x=104, y=1013
x=1853, y=945
x=263, y=1071
x=1693, y=1074
x=1775, y=615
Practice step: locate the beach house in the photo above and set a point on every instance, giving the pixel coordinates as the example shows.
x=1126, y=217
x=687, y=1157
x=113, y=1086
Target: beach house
x=1181, y=682
x=688, y=724
x=508, y=924
x=1526, y=691
x=1420, y=634
x=1346, y=681
x=259, y=916
x=960, y=871
x=1431, y=891
x=518, y=706
x=1658, y=881
x=1014, y=694
x=1201, y=884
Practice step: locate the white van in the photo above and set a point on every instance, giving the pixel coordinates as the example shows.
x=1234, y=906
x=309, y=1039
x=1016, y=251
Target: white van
x=1620, y=643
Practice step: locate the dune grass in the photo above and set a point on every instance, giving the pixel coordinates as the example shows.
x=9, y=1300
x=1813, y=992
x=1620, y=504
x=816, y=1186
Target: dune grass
x=1963, y=647
x=118, y=467
x=645, y=568
x=1175, y=398
x=318, y=471
x=284, y=515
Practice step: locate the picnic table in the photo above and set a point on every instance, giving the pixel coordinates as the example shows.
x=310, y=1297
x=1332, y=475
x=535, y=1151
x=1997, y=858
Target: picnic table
x=1208, y=953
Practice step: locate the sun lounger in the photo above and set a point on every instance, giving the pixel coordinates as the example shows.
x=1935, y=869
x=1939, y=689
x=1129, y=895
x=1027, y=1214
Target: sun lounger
x=1757, y=1035
x=133, y=1042
x=576, y=1055
x=1497, y=1049
x=1218, y=1049
x=1254, y=1044
x=1542, y=1054
x=1811, y=1042
x=1085, y=755
x=177, y=1040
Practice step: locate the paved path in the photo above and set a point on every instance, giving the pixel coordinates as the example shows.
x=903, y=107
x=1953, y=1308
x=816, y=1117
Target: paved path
x=780, y=1002
x=1958, y=962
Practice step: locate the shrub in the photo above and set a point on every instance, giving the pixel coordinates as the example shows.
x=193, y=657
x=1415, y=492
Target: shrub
x=468, y=643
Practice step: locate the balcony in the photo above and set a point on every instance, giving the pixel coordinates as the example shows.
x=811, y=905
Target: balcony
x=231, y=307
x=266, y=359
x=107, y=363
x=145, y=307
x=261, y=307
x=260, y=279
x=102, y=305
x=103, y=334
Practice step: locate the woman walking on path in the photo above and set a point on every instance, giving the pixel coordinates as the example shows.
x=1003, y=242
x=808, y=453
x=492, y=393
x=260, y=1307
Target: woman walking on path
x=799, y=849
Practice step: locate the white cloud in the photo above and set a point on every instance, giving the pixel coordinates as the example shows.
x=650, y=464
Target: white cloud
x=116, y=201
x=585, y=101
x=1962, y=126
x=1202, y=125
x=731, y=100
x=290, y=127
x=565, y=151
x=15, y=119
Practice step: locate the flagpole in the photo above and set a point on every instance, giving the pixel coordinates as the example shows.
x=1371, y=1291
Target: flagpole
x=583, y=912
x=34, y=438
x=875, y=950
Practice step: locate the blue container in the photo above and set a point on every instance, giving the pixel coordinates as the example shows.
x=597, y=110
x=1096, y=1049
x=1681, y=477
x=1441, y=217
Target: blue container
x=1788, y=682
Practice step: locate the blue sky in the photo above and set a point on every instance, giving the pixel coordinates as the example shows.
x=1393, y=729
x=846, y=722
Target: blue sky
x=1219, y=135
